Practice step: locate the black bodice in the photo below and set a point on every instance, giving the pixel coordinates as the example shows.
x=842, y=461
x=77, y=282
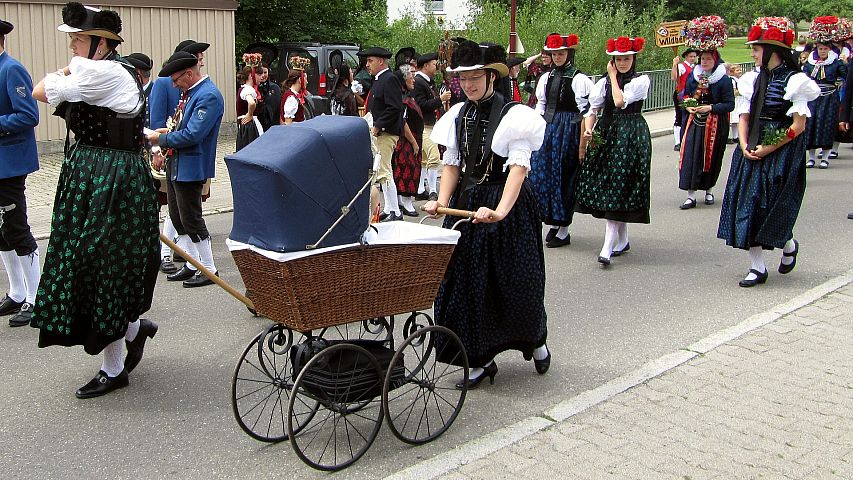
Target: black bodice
x=477, y=123
x=101, y=127
x=631, y=109
x=561, y=94
x=775, y=106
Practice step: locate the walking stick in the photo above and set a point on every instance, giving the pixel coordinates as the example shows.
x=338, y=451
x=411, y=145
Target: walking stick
x=207, y=273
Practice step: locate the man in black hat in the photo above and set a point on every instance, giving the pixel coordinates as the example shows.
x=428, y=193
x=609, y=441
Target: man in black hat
x=191, y=150
x=143, y=65
x=385, y=105
x=514, y=65
x=162, y=102
x=431, y=103
x=18, y=158
x=682, y=67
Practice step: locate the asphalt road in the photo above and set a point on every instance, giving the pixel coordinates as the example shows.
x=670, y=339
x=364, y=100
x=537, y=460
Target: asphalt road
x=678, y=284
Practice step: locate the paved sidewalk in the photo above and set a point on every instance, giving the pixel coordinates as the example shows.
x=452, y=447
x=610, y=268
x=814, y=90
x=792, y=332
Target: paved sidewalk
x=776, y=402
x=41, y=185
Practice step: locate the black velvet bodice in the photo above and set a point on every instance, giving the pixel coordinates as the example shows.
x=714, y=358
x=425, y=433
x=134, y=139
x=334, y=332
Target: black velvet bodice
x=101, y=127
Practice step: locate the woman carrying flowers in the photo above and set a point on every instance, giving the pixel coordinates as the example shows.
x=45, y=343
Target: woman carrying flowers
x=709, y=87
x=767, y=179
x=616, y=149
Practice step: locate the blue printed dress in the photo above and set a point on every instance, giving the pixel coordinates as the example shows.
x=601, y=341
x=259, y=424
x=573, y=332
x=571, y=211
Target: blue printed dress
x=822, y=126
x=763, y=197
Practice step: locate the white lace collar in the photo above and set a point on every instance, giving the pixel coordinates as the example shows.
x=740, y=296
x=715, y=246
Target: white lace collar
x=715, y=77
x=829, y=58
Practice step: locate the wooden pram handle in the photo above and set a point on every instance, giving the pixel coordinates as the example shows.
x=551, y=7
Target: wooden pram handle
x=453, y=212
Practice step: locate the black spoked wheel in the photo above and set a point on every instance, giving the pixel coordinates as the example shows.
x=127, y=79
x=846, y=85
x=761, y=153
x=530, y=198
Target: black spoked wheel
x=420, y=398
x=261, y=386
x=372, y=329
x=346, y=381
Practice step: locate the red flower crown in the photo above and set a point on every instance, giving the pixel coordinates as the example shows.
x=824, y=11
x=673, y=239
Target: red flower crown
x=824, y=29
x=556, y=41
x=625, y=45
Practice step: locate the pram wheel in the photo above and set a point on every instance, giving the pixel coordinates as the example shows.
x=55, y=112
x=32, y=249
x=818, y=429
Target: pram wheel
x=261, y=386
x=423, y=404
x=346, y=381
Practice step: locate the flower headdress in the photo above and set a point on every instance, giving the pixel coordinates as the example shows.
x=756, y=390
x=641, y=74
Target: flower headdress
x=625, y=45
x=845, y=30
x=555, y=42
x=253, y=60
x=299, y=63
x=708, y=32
x=824, y=29
x=777, y=31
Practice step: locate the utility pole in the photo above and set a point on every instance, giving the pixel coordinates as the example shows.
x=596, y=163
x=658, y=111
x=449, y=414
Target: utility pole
x=512, y=33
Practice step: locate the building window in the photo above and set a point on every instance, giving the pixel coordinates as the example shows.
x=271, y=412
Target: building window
x=434, y=6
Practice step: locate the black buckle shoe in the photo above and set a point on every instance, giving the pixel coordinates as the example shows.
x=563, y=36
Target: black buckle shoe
x=489, y=371
x=688, y=204
x=760, y=278
x=147, y=329
x=23, y=317
x=183, y=274
x=102, y=385
x=783, y=269
x=9, y=306
x=199, y=280
x=166, y=265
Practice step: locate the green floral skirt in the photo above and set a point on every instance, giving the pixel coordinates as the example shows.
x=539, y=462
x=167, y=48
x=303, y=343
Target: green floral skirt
x=101, y=262
x=614, y=180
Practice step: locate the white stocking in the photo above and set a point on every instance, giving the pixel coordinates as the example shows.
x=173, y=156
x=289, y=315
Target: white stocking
x=389, y=190
x=812, y=153
x=789, y=247
x=621, y=235
x=132, y=330
x=540, y=353
x=562, y=233
x=188, y=246
x=205, y=253
x=113, y=358
x=676, y=132
x=835, y=146
x=691, y=194
x=432, y=178
x=407, y=203
x=756, y=258
x=421, y=184
x=32, y=274
x=17, y=285
x=611, y=231
x=170, y=233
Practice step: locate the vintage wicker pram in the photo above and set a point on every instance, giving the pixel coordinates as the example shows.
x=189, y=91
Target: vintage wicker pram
x=329, y=370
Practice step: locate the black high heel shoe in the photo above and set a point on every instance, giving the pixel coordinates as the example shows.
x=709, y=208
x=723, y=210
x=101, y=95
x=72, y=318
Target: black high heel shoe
x=489, y=371
x=760, y=277
x=543, y=365
x=783, y=269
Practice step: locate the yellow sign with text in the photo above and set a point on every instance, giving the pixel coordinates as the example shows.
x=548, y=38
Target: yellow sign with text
x=671, y=34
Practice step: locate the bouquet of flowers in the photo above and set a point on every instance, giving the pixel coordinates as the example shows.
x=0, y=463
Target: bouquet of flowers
x=595, y=143
x=690, y=102
x=772, y=136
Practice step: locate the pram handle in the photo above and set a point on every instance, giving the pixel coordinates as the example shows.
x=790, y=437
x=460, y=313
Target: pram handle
x=454, y=212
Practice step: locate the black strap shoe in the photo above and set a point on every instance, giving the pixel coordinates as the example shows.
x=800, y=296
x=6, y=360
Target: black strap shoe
x=147, y=329
x=709, y=199
x=102, y=385
x=167, y=266
x=183, y=274
x=688, y=204
x=558, y=242
x=23, y=317
x=9, y=306
x=409, y=213
x=620, y=251
x=760, y=277
x=199, y=280
x=489, y=371
x=783, y=269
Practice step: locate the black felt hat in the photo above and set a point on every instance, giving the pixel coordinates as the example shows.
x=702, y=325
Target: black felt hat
x=191, y=46
x=514, y=61
x=5, y=27
x=177, y=62
x=404, y=55
x=140, y=61
x=88, y=20
x=375, y=52
x=469, y=56
x=424, y=59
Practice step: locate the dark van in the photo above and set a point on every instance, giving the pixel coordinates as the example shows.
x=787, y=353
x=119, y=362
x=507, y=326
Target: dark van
x=322, y=55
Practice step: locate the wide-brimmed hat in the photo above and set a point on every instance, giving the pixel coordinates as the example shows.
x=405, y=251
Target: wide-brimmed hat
x=140, y=61
x=375, y=52
x=177, y=62
x=777, y=31
x=191, y=46
x=625, y=45
x=708, y=32
x=513, y=61
x=87, y=20
x=5, y=27
x=469, y=56
x=555, y=42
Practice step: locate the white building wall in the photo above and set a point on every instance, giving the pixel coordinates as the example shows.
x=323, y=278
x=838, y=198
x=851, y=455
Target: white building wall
x=454, y=12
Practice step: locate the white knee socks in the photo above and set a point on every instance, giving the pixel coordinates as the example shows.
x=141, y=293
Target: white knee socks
x=611, y=232
x=621, y=235
x=406, y=202
x=132, y=330
x=756, y=258
x=170, y=233
x=205, y=254
x=389, y=191
x=789, y=247
x=17, y=284
x=835, y=146
x=32, y=274
x=432, y=178
x=113, y=361
x=422, y=183
x=540, y=353
x=676, y=132
x=691, y=194
x=188, y=246
x=812, y=154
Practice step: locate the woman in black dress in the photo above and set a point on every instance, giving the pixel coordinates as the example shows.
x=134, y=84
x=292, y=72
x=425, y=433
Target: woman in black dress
x=767, y=179
x=707, y=127
x=406, y=159
x=493, y=293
